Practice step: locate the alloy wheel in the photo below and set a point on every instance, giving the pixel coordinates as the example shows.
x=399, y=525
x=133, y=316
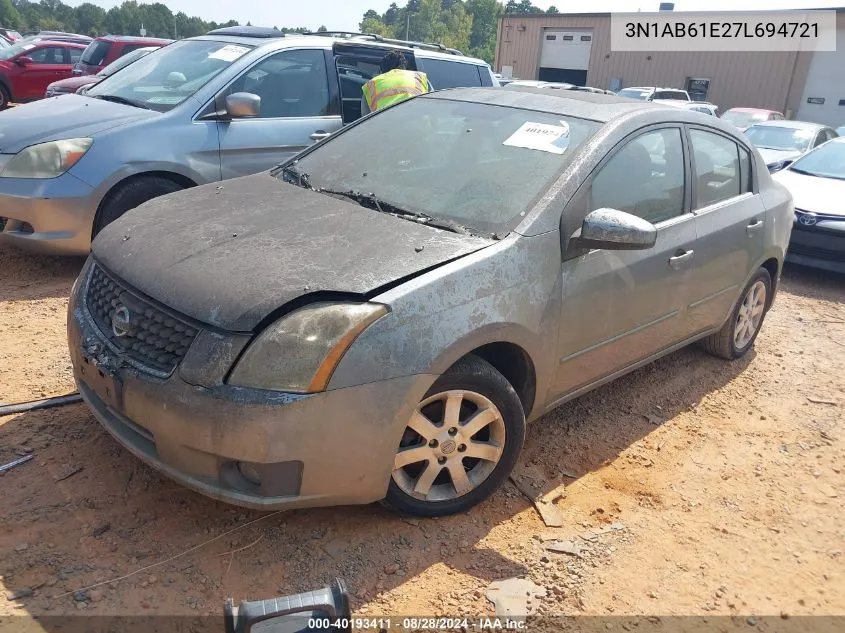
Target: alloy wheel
x=452, y=443
x=750, y=315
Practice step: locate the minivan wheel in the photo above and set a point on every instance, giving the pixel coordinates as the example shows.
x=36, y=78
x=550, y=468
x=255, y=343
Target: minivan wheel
x=5, y=97
x=737, y=336
x=129, y=195
x=460, y=444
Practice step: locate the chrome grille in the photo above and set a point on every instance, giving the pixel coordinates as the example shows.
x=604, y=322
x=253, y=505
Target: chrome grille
x=148, y=337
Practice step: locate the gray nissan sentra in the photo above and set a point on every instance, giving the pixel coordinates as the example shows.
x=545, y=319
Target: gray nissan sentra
x=378, y=318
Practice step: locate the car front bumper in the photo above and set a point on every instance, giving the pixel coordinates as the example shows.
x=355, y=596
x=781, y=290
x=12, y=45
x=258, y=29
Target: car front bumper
x=53, y=216
x=820, y=246
x=332, y=448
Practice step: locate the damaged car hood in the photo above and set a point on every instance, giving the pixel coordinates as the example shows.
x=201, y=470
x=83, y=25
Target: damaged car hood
x=231, y=254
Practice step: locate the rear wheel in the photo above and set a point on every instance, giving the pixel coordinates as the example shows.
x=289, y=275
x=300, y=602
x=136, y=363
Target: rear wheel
x=460, y=444
x=131, y=194
x=5, y=97
x=737, y=336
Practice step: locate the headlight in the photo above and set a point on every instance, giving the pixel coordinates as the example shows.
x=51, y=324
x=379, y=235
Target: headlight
x=301, y=351
x=47, y=160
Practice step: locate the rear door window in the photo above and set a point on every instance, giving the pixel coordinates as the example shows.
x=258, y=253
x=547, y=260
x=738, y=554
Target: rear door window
x=75, y=54
x=96, y=53
x=445, y=74
x=717, y=168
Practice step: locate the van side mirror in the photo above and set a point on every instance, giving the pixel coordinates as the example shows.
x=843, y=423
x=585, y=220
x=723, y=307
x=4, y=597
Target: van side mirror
x=23, y=60
x=614, y=230
x=242, y=105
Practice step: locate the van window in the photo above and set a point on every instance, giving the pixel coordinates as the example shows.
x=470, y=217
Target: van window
x=96, y=53
x=448, y=74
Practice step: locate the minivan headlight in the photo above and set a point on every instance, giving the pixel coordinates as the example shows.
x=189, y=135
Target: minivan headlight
x=300, y=351
x=47, y=160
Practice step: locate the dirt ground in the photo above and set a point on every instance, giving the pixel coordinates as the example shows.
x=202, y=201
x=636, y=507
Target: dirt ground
x=723, y=484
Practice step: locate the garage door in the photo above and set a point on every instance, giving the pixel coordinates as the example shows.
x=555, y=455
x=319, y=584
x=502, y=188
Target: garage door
x=565, y=55
x=825, y=87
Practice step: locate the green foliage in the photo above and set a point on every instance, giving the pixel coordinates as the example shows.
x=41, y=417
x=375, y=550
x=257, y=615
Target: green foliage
x=91, y=19
x=468, y=25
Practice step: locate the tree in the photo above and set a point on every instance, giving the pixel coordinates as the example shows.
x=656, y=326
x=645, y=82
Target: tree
x=322, y=29
x=10, y=17
x=485, y=26
x=552, y=9
x=391, y=16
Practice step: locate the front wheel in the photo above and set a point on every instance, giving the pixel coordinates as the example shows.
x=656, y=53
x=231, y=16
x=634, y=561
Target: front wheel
x=737, y=336
x=460, y=444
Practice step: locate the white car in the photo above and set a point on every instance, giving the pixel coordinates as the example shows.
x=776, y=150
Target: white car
x=817, y=183
x=782, y=142
x=695, y=106
x=651, y=93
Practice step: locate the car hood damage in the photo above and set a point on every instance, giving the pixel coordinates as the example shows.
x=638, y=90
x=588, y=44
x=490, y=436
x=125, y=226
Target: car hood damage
x=68, y=116
x=231, y=255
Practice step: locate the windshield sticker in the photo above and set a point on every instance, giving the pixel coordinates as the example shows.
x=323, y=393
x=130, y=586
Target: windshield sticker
x=229, y=53
x=553, y=139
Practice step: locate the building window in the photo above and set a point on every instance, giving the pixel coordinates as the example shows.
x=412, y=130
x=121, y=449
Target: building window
x=551, y=38
x=586, y=38
x=568, y=38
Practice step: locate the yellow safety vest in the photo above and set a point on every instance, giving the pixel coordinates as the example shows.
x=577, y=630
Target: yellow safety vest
x=394, y=86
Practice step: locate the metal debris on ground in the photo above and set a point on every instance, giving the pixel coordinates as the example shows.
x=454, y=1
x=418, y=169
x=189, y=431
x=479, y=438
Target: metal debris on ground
x=821, y=401
x=514, y=596
x=17, y=462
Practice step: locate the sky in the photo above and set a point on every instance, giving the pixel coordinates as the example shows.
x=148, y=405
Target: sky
x=345, y=15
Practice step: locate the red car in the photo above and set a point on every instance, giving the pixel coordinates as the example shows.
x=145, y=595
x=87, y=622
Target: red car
x=744, y=118
x=26, y=69
x=104, y=50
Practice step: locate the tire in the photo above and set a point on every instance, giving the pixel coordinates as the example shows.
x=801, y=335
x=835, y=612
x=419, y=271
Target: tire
x=729, y=343
x=129, y=195
x=5, y=97
x=478, y=392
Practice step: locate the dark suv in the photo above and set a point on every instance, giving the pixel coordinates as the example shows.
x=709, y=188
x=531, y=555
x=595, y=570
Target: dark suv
x=104, y=50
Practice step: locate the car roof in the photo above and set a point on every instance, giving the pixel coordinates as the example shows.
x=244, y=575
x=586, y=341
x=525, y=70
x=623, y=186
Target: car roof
x=49, y=42
x=132, y=38
x=287, y=40
x=795, y=125
x=576, y=103
x=752, y=110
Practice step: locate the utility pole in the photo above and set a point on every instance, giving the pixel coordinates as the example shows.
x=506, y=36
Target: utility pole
x=408, y=27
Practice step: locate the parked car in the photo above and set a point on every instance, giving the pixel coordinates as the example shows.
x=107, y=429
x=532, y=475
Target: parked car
x=10, y=35
x=104, y=50
x=744, y=118
x=695, y=106
x=75, y=84
x=817, y=183
x=840, y=131
x=4, y=43
x=365, y=325
x=57, y=36
x=27, y=68
x=654, y=94
x=781, y=142
x=551, y=85
x=234, y=102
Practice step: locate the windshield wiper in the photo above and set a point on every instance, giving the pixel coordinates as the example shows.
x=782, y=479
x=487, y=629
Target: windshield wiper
x=295, y=176
x=371, y=201
x=123, y=100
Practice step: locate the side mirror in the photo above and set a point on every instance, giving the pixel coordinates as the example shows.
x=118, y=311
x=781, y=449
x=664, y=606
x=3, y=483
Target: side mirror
x=615, y=230
x=292, y=613
x=23, y=60
x=240, y=105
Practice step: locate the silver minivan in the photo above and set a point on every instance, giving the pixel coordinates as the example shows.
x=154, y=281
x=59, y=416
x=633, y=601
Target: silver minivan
x=231, y=103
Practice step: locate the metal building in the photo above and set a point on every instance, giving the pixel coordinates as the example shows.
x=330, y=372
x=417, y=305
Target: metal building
x=575, y=48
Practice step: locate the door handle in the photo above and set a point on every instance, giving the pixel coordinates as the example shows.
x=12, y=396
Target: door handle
x=680, y=260
x=754, y=226
x=319, y=135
